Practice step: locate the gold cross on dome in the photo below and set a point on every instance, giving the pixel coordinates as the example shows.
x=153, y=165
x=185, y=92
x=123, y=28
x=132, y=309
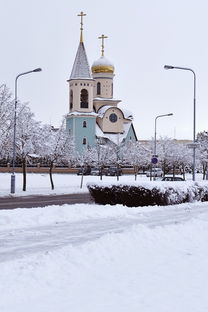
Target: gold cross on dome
x=81, y=23
x=102, y=46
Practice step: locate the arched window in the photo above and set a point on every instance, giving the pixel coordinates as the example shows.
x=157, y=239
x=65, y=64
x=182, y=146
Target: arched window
x=84, y=141
x=98, y=88
x=71, y=99
x=84, y=98
x=84, y=124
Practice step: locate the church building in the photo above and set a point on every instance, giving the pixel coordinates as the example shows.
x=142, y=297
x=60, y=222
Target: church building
x=94, y=116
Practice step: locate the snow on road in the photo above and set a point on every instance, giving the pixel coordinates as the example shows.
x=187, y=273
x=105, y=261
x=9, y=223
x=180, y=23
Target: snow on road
x=102, y=258
x=21, y=241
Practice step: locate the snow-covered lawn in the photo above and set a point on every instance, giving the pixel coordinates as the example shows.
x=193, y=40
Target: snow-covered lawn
x=104, y=258
x=96, y=258
x=64, y=183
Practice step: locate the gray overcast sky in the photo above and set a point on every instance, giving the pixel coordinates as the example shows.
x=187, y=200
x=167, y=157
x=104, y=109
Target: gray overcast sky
x=143, y=36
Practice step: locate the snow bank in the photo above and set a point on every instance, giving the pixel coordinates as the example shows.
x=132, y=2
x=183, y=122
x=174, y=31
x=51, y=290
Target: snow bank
x=144, y=269
x=22, y=218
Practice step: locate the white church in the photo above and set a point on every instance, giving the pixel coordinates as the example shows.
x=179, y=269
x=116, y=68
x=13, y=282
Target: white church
x=94, y=116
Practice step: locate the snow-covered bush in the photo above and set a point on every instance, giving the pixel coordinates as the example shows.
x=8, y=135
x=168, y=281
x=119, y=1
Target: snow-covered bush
x=148, y=193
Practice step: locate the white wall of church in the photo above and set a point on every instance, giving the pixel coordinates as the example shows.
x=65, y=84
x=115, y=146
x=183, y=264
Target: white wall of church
x=109, y=126
x=106, y=82
x=106, y=89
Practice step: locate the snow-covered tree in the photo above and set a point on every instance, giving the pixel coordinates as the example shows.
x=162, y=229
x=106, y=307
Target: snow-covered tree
x=137, y=155
x=6, y=122
x=28, y=136
x=57, y=147
x=202, y=138
x=173, y=155
x=86, y=160
x=106, y=155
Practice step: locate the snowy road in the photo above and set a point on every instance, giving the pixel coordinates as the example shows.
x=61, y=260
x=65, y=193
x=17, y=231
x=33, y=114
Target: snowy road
x=20, y=242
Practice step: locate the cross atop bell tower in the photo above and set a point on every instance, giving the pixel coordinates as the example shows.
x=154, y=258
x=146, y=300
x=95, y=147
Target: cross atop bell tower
x=82, y=14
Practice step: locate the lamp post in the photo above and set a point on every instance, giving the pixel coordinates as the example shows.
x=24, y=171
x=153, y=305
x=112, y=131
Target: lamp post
x=155, y=140
x=15, y=122
x=155, y=149
x=194, y=113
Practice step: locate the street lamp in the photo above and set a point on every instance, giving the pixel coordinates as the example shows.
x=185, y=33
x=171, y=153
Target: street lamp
x=194, y=118
x=155, y=149
x=154, y=159
x=14, y=134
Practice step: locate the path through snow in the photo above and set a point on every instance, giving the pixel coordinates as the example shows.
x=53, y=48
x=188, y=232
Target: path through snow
x=19, y=242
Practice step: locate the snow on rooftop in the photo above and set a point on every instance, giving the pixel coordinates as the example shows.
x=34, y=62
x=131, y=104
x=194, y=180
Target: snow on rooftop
x=82, y=114
x=81, y=69
x=102, y=61
x=116, y=138
x=127, y=114
x=103, y=109
x=106, y=99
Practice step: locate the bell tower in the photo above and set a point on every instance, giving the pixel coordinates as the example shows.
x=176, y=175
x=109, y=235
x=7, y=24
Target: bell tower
x=81, y=119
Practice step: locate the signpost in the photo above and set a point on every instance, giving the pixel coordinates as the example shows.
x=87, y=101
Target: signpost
x=193, y=145
x=154, y=159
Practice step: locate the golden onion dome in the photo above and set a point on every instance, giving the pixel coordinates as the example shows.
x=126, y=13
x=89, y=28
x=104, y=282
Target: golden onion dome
x=102, y=65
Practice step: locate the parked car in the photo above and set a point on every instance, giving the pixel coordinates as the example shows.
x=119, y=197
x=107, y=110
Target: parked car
x=113, y=171
x=84, y=171
x=156, y=172
x=95, y=172
x=172, y=179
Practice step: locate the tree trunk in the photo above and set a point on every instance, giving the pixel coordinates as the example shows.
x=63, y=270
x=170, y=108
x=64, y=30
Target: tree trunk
x=183, y=171
x=82, y=176
x=51, y=177
x=117, y=173
x=135, y=172
x=204, y=166
x=24, y=174
x=101, y=173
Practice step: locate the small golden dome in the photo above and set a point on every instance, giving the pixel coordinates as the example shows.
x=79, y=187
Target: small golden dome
x=102, y=65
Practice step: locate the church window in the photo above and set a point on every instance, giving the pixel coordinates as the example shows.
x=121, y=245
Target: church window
x=80, y=84
x=84, y=98
x=113, y=117
x=98, y=88
x=75, y=84
x=84, y=141
x=71, y=99
x=84, y=124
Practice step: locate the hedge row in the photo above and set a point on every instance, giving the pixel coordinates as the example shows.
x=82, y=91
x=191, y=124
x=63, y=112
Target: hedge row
x=134, y=196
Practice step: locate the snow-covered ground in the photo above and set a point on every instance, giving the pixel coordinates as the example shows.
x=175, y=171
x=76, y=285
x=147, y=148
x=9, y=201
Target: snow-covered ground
x=64, y=183
x=96, y=258
x=102, y=258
